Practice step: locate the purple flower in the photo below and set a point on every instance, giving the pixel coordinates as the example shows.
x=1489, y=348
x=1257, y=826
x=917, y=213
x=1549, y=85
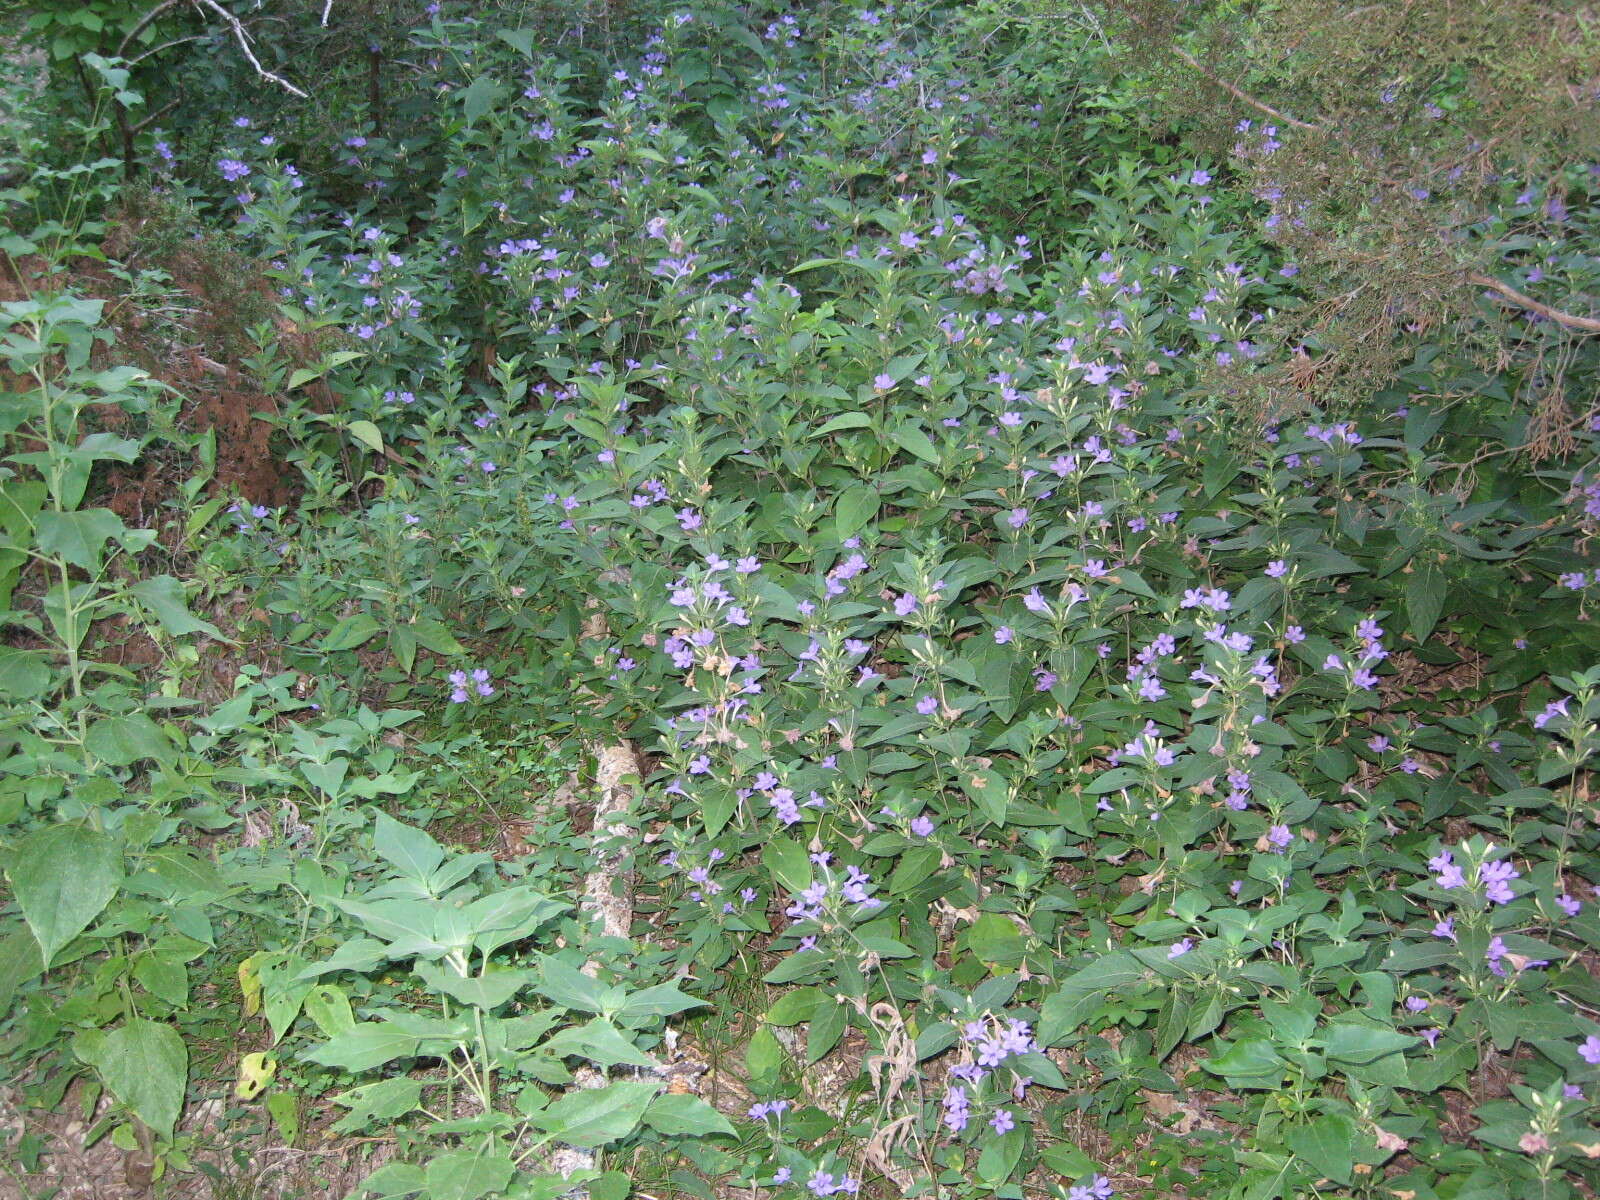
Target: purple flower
x=1002, y=635
x=1179, y=949
x=1002, y=1121
x=1590, y=1050
x=927, y=706
x=1277, y=569
x=922, y=826
x=1568, y=905
x=1279, y=837
x=883, y=381
x=1018, y=518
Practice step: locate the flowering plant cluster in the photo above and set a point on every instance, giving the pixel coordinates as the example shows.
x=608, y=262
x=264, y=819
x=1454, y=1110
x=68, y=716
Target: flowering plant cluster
x=1060, y=774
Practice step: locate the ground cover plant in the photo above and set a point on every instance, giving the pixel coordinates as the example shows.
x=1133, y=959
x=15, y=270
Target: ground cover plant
x=1083, y=739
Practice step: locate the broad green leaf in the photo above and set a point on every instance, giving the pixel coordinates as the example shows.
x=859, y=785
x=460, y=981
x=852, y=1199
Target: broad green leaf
x=377, y=1102
x=1327, y=1145
x=370, y=1044
x=145, y=1065
x=24, y=674
x=508, y=915
x=164, y=596
x=1349, y=1042
x=77, y=537
x=850, y=420
x=600, y=1042
x=391, y=1180
x=367, y=434
x=468, y=1175
x=662, y=1000
x=329, y=1009
x=479, y=991
x=787, y=862
x=20, y=961
x=569, y=987
x=351, y=632
x=410, y=850
x=855, y=507
x=588, y=1119
x=63, y=877
x=909, y=437
x=685, y=1116
x=120, y=741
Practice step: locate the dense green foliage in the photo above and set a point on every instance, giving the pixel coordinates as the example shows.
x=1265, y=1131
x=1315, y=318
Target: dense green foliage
x=1117, y=755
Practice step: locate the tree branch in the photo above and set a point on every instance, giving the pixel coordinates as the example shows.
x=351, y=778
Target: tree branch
x=1569, y=320
x=243, y=38
x=139, y=26
x=1240, y=95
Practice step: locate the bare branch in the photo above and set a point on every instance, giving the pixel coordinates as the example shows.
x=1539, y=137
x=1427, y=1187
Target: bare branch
x=193, y=37
x=1569, y=320
x=327, y=7
x=243, y=38
x=139, y=26
x=1241, y=95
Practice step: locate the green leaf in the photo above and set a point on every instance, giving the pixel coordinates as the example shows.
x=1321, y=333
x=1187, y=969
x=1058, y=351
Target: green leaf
x=588, y=1119
x=507, y=915
x=828, y=1022
x=479, y=991
x=392, y=1179
x=146, y=1066
x=468, y=1175
x=570, y=987
x=600, y=1042
x=793, y=1007
x=1426, y=589
x=164, y=596
x=121, y=741
x=382, y=1101
x=1326, y=1145
x=995, y=940
x=64, y=876
x=24, y=674
x=329, y=1009
x=77, y=537
x=284, y=1109
x=520, y=40
x=855, y=507
x=1000, y=1156
x=20, y=961
x=349, y=633
x=989, y=790
x=370, y=1044
x=763, y=1057
x=662, y=1000
x=479, y=97
x=909, y=437
x=1352, y=1043
x=685, y=1116
x=367, y=434
x=787, y=862
x=1252, y=1060
x=410, y=850
x=850, y=420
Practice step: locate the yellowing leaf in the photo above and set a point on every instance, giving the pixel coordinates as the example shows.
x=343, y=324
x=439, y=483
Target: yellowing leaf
x=255, y=1072
x=250, y=986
